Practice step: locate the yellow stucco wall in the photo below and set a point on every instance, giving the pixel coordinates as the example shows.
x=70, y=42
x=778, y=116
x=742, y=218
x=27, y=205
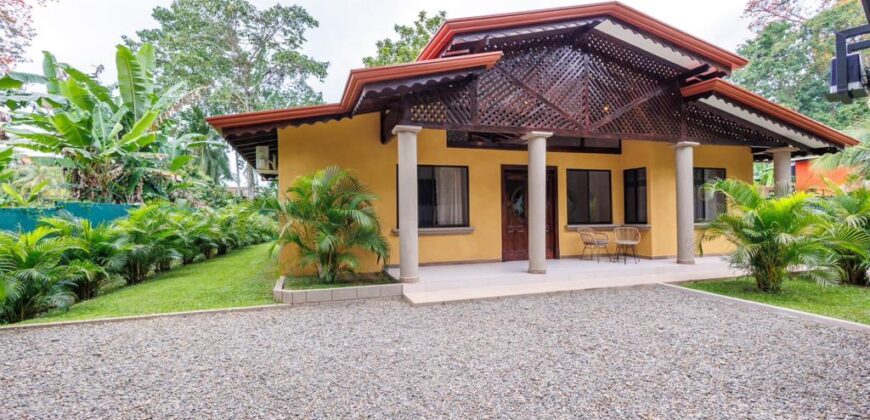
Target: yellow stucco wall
x=354, y=144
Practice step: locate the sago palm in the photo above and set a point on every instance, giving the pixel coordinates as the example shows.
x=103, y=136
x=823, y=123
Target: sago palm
x=329, y=218
x=773, y=237
x=33, y=278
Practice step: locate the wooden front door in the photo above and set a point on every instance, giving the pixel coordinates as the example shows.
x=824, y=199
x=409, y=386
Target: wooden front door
x=515, y=228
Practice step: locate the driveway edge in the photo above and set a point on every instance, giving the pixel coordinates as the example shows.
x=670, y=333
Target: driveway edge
x=786, y=311
x=139, y=317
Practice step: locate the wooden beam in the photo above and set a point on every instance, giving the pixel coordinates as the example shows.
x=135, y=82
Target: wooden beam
x=522, y=85
x=672, y=83
x=629, y=106
x=389, y=119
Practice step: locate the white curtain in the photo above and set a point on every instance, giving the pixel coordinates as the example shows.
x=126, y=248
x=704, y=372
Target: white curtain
x=450, y=196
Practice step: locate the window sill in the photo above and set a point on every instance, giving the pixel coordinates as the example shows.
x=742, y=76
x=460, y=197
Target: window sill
x=573, y=228
x=440, y=231
x=702, y=225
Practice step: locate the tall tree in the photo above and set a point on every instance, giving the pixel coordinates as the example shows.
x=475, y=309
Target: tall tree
x=246, y=59
x=412, y=40
x=16, y=30
x=763, y=12
x=790, y=64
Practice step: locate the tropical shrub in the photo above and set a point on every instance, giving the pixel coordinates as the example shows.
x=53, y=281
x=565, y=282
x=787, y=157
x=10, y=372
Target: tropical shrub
x=328, y=216
x=773, y=237
x=852, y=209
x=97, y=259
x=67, y=258
x=149, y=240
x=32, y=276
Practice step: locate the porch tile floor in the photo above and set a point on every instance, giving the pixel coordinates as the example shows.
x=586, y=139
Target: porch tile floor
x=462, y=282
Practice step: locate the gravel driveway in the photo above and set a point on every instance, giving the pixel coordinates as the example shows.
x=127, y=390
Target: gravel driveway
x=651, y=353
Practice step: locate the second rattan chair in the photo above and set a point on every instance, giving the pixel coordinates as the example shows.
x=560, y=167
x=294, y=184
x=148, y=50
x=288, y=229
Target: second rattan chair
x=626, y=239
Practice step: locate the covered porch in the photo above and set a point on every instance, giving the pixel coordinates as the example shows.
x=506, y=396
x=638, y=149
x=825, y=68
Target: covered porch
x=462, y=282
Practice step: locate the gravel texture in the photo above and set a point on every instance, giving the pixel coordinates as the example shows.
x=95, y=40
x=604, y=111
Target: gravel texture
x=649, y=353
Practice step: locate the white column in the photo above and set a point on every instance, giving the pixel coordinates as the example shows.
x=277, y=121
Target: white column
x=537, y=201
x=685, y=203
x=782, y=169
x=408, y=245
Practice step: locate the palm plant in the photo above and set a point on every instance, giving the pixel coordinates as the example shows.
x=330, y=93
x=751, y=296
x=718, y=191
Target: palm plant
x=197, y=234
x=98, y=258
x=149, y=241
x=33, y=278
x=852, y=209
x=328, y=216
x=772, y=237
x=107, y=139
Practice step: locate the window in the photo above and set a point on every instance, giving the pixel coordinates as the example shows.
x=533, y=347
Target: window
x=707, y=205
x=635, y=196
x=442, y=194
x=589, y=197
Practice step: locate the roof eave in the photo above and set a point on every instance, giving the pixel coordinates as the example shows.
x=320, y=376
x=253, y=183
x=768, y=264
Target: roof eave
x=629, y=15
x=356, y=80
x=757, y=102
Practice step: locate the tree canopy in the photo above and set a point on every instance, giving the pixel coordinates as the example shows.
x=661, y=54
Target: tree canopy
x=790, y=63
x=412, y=40
x=16, y=30
x=246, y=59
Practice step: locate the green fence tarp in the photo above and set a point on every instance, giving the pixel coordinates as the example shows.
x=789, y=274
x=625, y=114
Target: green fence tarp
x=19, y=219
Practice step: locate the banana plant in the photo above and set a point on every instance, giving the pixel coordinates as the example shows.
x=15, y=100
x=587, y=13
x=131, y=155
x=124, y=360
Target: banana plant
x=106, y=136
x=24, y=197
x=5, y=160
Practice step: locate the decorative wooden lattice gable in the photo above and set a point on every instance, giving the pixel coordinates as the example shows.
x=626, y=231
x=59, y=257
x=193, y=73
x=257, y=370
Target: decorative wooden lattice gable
x=578, y=83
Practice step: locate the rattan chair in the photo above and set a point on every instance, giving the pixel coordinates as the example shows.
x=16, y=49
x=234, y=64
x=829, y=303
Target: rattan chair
x=626, y=239
x=595, y=242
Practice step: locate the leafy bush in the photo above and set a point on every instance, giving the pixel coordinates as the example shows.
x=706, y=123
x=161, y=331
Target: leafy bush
x=328, y=216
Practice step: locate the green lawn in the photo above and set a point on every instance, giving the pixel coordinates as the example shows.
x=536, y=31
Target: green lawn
x=845, y=302
x=242, y=278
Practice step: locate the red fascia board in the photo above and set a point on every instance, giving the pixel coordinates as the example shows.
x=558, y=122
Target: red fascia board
x=764, y=106
x=356, y=80
x=631, y=16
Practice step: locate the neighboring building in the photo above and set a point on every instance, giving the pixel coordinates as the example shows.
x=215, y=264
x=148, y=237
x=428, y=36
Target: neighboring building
x=807, y=177
x=510, y=131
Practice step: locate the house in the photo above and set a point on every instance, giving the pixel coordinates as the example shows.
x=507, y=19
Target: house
x=511, y=131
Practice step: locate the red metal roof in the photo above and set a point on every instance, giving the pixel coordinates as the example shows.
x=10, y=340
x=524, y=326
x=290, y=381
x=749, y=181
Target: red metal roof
x=759, y=103
x=356, y=80
x=453, y=27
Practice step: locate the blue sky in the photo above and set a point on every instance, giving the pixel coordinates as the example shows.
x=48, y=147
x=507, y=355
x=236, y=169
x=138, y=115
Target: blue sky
x=84, y=32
